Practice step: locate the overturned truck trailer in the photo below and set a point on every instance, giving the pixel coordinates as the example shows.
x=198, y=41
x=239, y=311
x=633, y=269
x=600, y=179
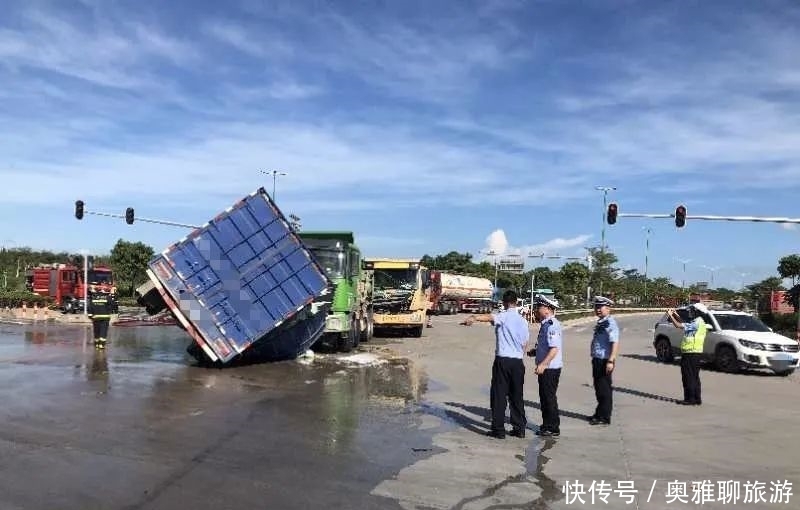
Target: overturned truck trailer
x=243, y=286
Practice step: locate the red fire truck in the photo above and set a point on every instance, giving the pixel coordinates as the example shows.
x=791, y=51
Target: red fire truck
x=64, y=284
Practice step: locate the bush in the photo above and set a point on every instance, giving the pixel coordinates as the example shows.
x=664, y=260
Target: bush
x=15, y=298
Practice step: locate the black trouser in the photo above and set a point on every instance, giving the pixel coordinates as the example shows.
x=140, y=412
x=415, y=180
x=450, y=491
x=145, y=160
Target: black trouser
x=100, y=328
x=603, y=390
x=548, y=386
x=508, y=379
x=690, y=374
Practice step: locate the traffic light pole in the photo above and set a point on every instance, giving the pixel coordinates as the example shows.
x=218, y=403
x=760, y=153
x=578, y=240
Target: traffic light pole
x=146, y=220
x=708, y=217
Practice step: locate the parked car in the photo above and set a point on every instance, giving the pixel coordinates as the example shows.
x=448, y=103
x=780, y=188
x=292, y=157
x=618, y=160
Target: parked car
x=735, y=340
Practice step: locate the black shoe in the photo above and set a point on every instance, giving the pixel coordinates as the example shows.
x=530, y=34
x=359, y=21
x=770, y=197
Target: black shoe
x=520, y=433
x=599, y=421
x=496, y=434
x=547, y=433
x=684, y=402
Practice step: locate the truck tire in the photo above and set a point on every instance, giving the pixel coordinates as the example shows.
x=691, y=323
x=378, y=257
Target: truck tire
x=416, y=332
x=367, y=332
x=349, y=341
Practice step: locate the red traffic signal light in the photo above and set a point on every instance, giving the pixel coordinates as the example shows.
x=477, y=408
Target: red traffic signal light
x=611, y=215
x=680, y=216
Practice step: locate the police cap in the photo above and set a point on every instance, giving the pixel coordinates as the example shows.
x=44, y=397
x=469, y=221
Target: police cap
x=545, y=301
x=602, y=301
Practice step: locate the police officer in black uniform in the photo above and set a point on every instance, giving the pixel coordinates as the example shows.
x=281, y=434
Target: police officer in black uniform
x=100, y=307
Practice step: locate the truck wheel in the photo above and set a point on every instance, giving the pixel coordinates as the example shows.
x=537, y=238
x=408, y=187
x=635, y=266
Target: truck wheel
x=348, y=342
x=416, y=332
x=366, y=333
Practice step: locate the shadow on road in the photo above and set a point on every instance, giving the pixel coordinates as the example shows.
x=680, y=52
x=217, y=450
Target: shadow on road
x=481, y=427
x=637, y=393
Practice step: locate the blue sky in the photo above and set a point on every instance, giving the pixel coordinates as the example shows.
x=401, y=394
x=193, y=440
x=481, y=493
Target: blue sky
x=424, y=127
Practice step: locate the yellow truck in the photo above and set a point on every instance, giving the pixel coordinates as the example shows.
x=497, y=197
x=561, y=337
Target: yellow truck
x=399, y=295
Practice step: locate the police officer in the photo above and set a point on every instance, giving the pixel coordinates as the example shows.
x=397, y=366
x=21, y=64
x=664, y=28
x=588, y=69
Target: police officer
x=508, y=370
x=694, y=335
x=549, y=362
x=605, y=346
x=99, y=310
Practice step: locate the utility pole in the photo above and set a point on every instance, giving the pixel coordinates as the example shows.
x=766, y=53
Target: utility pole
x=712, y=270
x=648, y=230
x=494, y=254
x=85, y=254
x=605, y=190
x=274, y=174
x=683, y=282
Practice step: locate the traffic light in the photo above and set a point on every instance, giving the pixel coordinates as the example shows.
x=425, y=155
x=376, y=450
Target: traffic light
x=79, y=209
x=129, y=215
x=680, y=216
x=611, y=217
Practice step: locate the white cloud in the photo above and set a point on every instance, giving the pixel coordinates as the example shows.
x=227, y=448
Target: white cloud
x=498, y=243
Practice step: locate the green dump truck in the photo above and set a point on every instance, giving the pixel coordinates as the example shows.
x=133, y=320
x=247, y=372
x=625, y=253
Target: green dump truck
x=350, y=320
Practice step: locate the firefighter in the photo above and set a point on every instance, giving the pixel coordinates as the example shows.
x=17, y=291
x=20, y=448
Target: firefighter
x=99, y=310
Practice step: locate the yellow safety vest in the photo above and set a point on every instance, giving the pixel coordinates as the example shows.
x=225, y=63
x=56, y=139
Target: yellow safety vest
x=694, y=344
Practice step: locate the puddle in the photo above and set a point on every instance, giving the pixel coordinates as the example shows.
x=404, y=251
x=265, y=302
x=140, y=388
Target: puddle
x=535, y=461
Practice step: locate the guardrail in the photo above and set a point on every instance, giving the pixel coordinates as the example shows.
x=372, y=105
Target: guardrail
x=615, y=309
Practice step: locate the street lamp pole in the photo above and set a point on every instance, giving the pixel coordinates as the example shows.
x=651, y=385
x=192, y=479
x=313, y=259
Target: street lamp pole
x=605, y=190
x=648, y=230
x=274, y=174
x=712, y=270
x=684, y=262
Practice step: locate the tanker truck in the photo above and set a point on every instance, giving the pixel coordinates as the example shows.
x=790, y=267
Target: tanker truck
x=452, y=293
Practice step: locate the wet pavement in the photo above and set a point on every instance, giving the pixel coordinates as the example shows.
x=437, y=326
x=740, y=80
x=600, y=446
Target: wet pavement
x=138, y=426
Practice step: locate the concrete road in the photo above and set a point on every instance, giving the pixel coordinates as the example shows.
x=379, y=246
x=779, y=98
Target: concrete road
x=139, y=427
x=744, y=432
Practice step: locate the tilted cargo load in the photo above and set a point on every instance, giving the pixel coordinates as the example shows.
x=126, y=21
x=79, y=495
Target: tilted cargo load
x=242, y=285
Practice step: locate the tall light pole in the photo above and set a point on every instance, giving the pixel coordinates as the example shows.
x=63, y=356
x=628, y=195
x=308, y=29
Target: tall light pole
x=494, y=254
x=274, y=174
x=712, y=270
x=684, y=262
x=605, y=190
x=648, y=231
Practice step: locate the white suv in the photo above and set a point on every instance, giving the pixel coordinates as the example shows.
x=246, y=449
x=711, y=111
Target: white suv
x=735, y=340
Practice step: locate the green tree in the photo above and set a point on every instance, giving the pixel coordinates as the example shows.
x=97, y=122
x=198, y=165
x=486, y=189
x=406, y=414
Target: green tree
x=789, y=267
x=758, y=291
x=603, y=269
x=129, y=262
x=575, y=278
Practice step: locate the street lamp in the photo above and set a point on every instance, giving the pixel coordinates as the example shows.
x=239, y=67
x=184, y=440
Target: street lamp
x=494, y=254
x=605, y=190
x=274, y=174
x=712, y=270
x=684, y=262
x=648, y=231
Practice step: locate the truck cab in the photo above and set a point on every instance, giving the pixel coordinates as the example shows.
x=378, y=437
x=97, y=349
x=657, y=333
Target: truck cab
x=349, y=320
x=400, y=300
